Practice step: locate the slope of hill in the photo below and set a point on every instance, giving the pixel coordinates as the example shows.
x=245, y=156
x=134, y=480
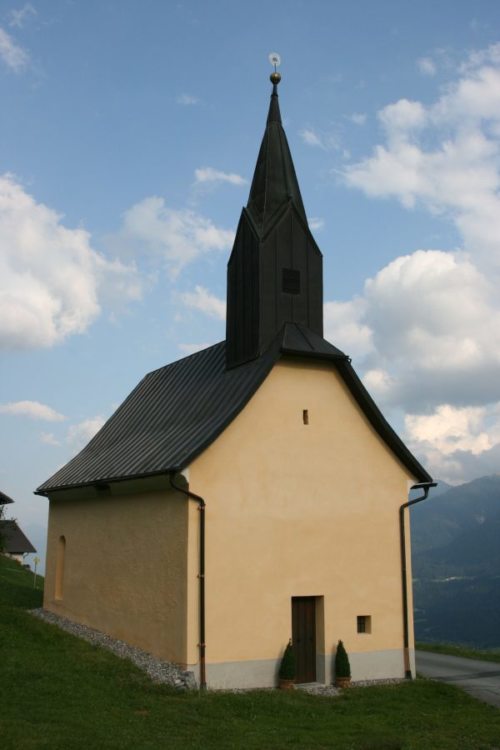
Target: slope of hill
x=456, y=564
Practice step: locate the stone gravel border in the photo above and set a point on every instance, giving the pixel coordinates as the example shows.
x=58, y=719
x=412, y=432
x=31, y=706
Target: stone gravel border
x=164, y=672
x=159, y=671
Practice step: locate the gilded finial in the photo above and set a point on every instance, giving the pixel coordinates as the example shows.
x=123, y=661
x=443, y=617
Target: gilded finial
x=275, y=60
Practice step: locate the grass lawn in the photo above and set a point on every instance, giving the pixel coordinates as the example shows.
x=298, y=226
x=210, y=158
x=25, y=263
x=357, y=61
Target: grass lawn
x=465, y=651
x=59, y=692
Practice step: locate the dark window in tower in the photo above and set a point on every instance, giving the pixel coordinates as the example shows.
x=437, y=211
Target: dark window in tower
x=291, y=281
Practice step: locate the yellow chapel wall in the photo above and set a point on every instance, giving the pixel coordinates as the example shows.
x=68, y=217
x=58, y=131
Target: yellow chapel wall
x=118, y=563
x=298, y=510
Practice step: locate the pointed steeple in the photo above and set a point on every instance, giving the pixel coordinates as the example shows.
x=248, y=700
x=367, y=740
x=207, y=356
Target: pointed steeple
x=274, y=182
x=274, y=274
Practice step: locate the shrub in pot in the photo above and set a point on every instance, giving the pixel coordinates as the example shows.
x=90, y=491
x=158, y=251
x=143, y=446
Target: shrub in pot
x=287, y=671
x=342, y=667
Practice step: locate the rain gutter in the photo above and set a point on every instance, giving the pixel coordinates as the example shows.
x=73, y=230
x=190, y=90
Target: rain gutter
x=201, y=575
x=425, y=486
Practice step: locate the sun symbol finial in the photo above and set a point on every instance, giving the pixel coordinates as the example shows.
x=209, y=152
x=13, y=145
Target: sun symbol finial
x=275, y=60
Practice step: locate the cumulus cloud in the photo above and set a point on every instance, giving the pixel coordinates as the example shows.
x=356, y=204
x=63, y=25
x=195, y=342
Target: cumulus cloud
x=211, y=175
x=457, y=442
x=176, y=237
x=202, y=299
x=344, y=327
x=14, y=56
x=31, y=409
x=50, y=276
x=427, y=327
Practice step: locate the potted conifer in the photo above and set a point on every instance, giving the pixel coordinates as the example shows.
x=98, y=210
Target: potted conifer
x=342, y=667
x=287, y=671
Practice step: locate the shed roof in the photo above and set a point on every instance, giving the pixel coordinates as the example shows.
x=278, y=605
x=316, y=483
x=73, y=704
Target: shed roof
x=176, y=412
x=14, y=540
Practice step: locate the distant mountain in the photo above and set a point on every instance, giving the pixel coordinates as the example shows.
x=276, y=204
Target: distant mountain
x=456, y=564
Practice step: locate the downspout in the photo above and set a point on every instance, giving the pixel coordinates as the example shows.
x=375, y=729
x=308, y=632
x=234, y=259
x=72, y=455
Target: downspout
x=201, y=576
x=425, y=486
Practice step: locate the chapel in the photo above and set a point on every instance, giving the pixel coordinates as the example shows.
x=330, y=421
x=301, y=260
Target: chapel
x=250, y=493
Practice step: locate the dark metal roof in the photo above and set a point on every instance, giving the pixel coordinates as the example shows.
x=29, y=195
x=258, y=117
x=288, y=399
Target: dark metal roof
x=14, y=541
x=274, y=182
x=4, y=499
x=179, y=410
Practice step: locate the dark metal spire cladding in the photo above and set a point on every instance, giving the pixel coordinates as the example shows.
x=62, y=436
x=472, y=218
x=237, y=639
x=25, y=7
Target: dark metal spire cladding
x=274, y=274
x=274, y=182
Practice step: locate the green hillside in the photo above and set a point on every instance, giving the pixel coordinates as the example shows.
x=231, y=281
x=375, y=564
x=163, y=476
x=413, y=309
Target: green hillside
x=58, y=692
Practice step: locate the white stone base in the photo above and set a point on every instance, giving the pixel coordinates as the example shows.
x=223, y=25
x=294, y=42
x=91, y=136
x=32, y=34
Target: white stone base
x=263, y=673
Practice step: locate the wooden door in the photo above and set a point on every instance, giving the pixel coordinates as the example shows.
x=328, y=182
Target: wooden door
x=304, y=637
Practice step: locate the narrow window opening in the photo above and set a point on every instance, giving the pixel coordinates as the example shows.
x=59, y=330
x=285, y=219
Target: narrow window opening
x=61, y=552
x=305, y=416
x=364, y=624
x=290, y=281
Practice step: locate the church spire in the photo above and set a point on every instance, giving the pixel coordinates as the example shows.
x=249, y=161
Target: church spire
x=274, y=182
x=274, y=274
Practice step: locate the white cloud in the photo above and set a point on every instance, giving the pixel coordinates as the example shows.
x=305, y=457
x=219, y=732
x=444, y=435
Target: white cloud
x=457, y=443
x=79, y=434
x=209, y=174
x=20, y=16
x=358, y=118
x=345, y=329
x=187, y=100
x=177, y=237
x=201, y=299
x=48, y=438
x=50, y=277
x=402, y=117
x=427, y=66
x=31, y=409
x=427, y=327
x=450, y=429
x=316, y=223
x=193, y=348
x=11, y=53
x=311, y=138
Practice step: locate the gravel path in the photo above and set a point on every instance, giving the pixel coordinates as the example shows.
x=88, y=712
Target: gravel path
x=157, y=670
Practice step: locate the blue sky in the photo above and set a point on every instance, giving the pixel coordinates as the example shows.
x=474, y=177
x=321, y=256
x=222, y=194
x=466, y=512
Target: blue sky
x=128, y=135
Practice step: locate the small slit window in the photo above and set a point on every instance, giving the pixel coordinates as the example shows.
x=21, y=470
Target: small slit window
x=364, y=623
x=305, y=416
x=290, y=281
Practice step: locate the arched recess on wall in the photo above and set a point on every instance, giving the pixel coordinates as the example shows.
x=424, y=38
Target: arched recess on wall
x=61, y=554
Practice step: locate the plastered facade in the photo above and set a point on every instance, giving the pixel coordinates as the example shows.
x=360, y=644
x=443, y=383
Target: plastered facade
x=125, y=566
x=299, y=510
x=291, y=510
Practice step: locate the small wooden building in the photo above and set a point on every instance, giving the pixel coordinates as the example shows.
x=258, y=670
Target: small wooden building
x=13, y=542
x=250, y=492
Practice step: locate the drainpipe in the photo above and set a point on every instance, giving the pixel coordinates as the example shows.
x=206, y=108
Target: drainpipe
x=201, y=576
x=425, y=486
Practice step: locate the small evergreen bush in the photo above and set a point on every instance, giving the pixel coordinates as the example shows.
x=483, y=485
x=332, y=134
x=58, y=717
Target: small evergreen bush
x=342, y=666
x=287, y=666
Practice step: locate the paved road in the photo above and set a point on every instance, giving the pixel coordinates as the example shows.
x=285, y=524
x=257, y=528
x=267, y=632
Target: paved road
x=479, y=678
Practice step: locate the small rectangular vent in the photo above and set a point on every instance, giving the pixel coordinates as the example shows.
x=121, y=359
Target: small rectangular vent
x=290, y=281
